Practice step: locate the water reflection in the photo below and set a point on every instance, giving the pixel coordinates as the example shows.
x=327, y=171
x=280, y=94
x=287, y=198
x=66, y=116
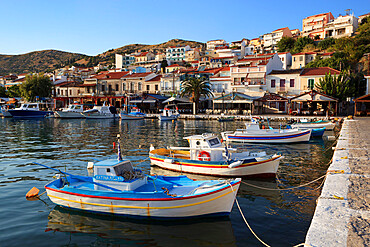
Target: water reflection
x=197, y=232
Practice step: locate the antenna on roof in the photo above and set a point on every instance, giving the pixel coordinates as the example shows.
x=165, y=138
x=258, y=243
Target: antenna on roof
x=348, y=11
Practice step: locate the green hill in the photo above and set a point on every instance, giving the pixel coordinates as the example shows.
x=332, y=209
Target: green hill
x=48, y=60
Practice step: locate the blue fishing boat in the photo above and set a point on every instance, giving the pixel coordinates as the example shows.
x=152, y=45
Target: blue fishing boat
x=30, y=110
x=133, y=114
x=120, y=189
x=318, y=132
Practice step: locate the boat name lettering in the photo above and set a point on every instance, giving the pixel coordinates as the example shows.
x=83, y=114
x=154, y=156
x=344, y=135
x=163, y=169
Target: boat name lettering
x=109, y=178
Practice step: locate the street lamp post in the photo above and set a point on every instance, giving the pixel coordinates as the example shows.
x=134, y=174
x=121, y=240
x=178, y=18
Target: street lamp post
x=223, y=94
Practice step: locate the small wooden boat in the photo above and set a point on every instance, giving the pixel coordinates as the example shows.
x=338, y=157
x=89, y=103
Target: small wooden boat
x=207, y=156
x=225, y=119
x=134, y=114
x=119, y=189
x=169, y=114
x=253, y=134
x=314, y=125
x=72, y=111
x=319, y=132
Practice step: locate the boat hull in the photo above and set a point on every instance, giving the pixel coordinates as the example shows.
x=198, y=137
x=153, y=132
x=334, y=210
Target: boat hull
x=100, y=116
x=28, y=113
x=67, y=114
x=284, y=137
x=327, y=125
x=131, y=117
x=166, y=118
x=217, y=202
x=264, y=168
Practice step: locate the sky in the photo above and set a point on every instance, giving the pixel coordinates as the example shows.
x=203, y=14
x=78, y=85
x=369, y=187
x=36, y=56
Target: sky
x=92, y=27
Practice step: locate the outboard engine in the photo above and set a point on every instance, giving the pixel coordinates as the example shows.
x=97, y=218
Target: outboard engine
x=113, y=110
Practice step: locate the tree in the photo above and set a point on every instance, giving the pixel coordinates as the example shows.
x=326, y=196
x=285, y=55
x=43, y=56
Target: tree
x=14, y=91
x=339, y=86
x=195, y=88
x=326, y=43
x=301, y=43
x=36, y=85
x=2, y=92
x=286, y=44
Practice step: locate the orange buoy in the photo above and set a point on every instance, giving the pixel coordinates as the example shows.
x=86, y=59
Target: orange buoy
x=33, y=192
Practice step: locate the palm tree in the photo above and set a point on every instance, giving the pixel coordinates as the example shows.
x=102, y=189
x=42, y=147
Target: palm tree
x=339, y=86
x=195, y=88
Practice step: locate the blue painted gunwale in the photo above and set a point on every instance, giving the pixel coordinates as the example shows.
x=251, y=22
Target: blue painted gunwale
x=28, y=113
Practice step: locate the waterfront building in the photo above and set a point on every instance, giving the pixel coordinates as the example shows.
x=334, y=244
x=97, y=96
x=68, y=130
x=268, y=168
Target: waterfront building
x=300, y=60
x=314, y=26
x=284, y=82
x=270, y=40
x=170, y=83
x=176, y=54
x=213, y=44
x=221, y=82
x=133, y=83
x=152, y=85
x=342, y=26
x=311, y=76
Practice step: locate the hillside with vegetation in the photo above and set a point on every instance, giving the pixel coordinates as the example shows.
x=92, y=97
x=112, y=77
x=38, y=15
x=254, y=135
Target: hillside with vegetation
x=49, y=60
x=38, y=61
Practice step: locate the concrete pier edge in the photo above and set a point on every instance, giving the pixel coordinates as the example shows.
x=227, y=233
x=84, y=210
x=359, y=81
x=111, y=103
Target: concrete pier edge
x=332, y=221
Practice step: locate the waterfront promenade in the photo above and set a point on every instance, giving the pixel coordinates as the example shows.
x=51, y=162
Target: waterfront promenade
x=342, y=215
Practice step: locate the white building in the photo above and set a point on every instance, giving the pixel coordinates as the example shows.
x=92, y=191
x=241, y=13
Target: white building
x=284, y=82
x=270, y=40
x=342, y=26
x=212, y=44
x=286, y=59
x=176, y=54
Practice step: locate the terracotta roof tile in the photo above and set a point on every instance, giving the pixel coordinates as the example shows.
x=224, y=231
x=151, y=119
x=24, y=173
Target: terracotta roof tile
x=319, y=71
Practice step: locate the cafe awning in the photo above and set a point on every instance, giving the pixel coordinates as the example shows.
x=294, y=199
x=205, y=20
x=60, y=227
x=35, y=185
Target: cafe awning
x=235, y=98
x=313, y=96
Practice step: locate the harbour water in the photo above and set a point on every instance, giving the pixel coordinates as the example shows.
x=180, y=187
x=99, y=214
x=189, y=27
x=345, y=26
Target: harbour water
x=279, y=218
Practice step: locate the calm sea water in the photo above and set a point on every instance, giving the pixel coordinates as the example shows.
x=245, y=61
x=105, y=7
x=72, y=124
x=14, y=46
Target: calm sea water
x=280, y=218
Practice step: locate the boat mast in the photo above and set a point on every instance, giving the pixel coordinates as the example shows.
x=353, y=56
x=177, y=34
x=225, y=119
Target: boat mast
x=119, y=148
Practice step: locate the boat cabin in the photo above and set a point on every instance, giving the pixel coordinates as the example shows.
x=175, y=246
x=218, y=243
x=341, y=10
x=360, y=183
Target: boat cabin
x=118, y=174
x=167, y=112
x=33, y=106
x=74, y=108
x=206, y=147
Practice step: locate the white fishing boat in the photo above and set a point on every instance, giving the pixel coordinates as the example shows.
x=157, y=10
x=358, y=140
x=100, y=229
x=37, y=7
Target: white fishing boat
x=208, y=156
x=133, y=114
x=169, y=114
x=117, y=188
x=72, y=111
x=101, y=112
x=305, y=124
x=254, y=134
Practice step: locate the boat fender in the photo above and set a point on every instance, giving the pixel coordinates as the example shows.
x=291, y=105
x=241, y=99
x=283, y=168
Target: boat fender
x=236, y=164
x=90, y=165
x=204, y=156
x=151, y=147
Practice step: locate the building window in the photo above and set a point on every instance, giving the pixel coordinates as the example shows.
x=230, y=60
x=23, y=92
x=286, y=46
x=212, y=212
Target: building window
x=139, y=86
x=156, y=87
x=273, y=83
x=282, y=83
x=102, y=88
x=147, y=87
x=117, y=89
x=311, y=83
x=70, y=92
x=124, y=86
x=300, y=58
x=291, y=82
x=58, y=91
x=132, y=86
